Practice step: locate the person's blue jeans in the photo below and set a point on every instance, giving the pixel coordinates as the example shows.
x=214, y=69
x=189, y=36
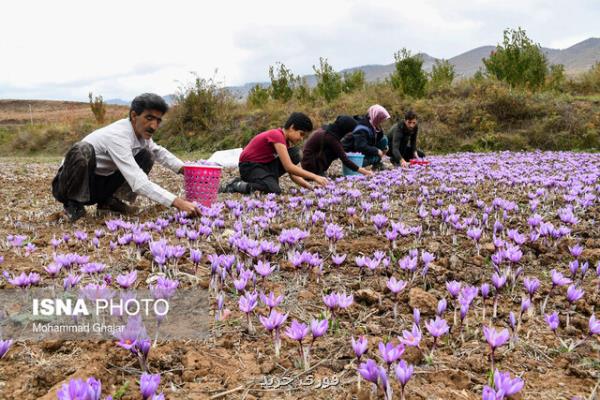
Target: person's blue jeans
x=381, y=145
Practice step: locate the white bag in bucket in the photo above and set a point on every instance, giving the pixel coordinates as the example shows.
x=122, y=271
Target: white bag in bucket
x=226, y=158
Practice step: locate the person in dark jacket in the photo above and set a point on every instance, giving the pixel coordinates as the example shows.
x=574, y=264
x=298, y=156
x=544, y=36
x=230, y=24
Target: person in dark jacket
x=324, y=147
x=403, y=140
x=368, y=137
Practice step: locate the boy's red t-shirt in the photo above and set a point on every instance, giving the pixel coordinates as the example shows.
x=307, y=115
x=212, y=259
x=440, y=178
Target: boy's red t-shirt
x=261, y=149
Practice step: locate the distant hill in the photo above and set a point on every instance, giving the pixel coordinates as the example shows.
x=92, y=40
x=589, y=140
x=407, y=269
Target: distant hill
x=576, y=59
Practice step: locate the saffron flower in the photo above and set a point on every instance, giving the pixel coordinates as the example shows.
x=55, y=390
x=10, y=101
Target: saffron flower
x=4, y=347
x=125, y=281
x=404, y=372
x=359, y=346
x=273, y=323
x=390, y=353
x=90, y=389
x=553, y=321
x=149, y=384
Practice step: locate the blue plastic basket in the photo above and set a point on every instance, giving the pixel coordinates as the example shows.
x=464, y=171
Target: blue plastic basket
x=358, y=159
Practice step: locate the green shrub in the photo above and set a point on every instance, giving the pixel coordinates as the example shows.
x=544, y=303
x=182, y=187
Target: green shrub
x=556, y=78
x=442, y=74
x=282, y=83
x=408, y=76
x=518, y=61
x=258, y=96
x=329, y=82
x=200, y=106
x=353, y=81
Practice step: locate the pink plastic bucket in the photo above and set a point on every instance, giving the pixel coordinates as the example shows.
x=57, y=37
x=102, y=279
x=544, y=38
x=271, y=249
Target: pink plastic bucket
x=201, y=183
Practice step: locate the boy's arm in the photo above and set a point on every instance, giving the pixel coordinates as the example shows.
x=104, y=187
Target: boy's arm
x=300, y=182
x=292, y=169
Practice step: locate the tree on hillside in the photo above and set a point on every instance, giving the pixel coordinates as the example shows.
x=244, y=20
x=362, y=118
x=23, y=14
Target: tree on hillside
x=282, y=83
x=258, y=96
x=409, y=77
x=329, y=82
x=518, y=61
x=353, y=81
x=98, y=108
x=442, y=74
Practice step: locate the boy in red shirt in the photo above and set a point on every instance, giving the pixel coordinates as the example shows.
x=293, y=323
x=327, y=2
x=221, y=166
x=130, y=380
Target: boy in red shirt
x=268, y=156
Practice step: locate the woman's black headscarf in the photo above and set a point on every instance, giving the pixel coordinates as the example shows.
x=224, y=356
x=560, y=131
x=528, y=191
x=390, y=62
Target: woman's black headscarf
x=342, y=125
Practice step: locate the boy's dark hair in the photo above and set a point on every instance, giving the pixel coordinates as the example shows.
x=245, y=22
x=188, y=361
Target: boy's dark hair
x=148, y=101
x=300, y=121
x=410, y=115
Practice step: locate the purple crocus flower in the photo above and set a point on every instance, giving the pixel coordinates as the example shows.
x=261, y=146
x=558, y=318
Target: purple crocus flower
x=574, y=294
x=164, y=288
x=318, y=327
x=127, y=280
x=498, y=280
x=90, y=389
x=441, y=307
x=593, y=325
x=506, y=385
x=149, y=384
x=4, y=347
x=495, y=338
x=417, y=316
x=264, y=269
x=71, y=281
x=485, y=290
x=359, y=346
x=531, y=285
x=553, y=321
x=576, y=251
x=271, y=300
x=396, y=286
x=390, y=353
x=20, y=281
x=437, y=327
x=53, y=269
x=338, y=259
x=404, y=372
x=369, y=371
x=453, y=288
x=558, y=279
x=412, y=338
x=273, y=323
x=297, y=331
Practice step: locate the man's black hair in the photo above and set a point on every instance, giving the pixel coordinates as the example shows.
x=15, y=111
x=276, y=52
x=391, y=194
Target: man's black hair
x=148, y=101
x=410, y=115
x=300, y=121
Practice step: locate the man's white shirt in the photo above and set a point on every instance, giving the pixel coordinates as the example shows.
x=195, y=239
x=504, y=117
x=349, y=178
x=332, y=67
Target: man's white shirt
x=116, y=145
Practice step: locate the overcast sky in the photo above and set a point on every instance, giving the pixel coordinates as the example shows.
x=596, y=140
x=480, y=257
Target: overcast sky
x=64, y=49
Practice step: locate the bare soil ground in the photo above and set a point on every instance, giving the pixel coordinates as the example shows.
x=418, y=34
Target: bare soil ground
x=231, y=363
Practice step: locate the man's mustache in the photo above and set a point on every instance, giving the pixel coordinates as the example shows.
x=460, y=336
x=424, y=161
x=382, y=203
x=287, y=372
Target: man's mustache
x=150, y=130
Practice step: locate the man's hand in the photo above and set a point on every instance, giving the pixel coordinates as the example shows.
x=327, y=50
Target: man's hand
x=321, y=180
x=365, y=172
x=380, y=153
x=403, y=163
x=186, y=206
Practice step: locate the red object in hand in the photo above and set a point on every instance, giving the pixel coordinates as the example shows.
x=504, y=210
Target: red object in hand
x=419, y=162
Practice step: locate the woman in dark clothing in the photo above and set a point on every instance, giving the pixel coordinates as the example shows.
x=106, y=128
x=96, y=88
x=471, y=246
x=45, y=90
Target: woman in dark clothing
x=368, y=137
x=324, y=146
x=403, y=140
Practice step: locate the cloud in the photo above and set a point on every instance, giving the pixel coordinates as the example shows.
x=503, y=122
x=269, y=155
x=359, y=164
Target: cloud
x=63, y=49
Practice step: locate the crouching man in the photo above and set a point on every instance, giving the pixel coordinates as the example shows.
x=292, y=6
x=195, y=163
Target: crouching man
x=118, y=157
